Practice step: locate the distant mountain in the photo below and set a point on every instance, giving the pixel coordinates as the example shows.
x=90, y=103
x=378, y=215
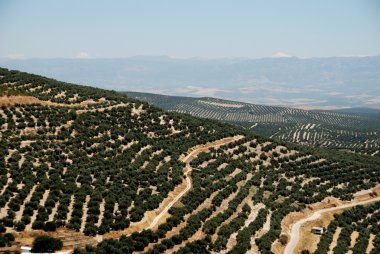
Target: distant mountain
x=316, y=82
x=357, y=131
x=360, y=110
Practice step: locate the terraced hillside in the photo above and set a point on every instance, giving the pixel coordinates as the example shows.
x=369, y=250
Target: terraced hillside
x=138, y=179
x=352, y=131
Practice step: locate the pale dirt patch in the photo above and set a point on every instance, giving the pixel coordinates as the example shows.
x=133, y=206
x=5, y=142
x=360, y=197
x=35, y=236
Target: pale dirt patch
x=4, y=211
x=60, y=95
x=84, y=217
x=116, y=208
x=70, y=210
x=138, y=111
x=124, y=147
x=145, y=164
x=205, y=163
x=74, y=98
x=10, y=153
x=9, y=180
x=370, y=244
x=29, y=131
x=20, y=186
x=46, y=91
x=142, y=149
x=26, y=143
x=354, y=237
x=317, y=161
x=203, y=148
x=162, y=120
x=220, y=104
x=80, y=111
x=233, y=174
x=373, y=191
x=334, y=241
x=2, y=114
x=21, y=161
x=223, y=165
x=172, y=129
x=53, y=211
x=308, y=180
x=21, y=99
x=35, y=88
x=44, y=197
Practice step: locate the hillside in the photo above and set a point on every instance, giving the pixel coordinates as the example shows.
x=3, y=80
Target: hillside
x=352, y=131
x=99, y=165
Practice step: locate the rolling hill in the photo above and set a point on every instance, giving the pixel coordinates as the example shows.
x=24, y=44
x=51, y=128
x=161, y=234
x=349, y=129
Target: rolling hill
x=359, y=131
x=96, y=167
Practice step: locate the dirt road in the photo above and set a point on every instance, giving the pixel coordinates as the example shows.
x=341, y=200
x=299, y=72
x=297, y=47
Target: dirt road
x=187, y=159
x=295, y=230
x=175, y=200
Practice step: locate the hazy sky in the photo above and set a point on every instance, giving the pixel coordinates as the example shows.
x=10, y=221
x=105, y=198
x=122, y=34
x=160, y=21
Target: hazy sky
x=193, y=28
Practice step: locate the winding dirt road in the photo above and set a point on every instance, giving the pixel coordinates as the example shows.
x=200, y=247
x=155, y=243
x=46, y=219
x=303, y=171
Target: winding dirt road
x=175, y=200
x=295, y=229
x=187, y=159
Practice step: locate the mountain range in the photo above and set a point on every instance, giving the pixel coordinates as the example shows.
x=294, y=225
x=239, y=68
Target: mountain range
x=315, y=83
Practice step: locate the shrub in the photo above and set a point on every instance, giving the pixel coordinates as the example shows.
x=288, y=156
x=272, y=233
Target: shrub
x=2, y=228
x=38, y=224
x=50, y=226
x=20, y=226
x=9, y=237
x=44, y=243
x=283, y=239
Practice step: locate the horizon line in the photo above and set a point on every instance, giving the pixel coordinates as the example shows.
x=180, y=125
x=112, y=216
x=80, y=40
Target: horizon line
x=185, y=58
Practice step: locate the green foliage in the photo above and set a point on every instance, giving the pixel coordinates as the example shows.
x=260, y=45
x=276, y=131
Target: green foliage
x=97, y=167
x=46, y=243
x=353, y=131
x=6, y=239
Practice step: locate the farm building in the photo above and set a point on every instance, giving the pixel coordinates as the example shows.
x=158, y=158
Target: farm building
x=317, y=230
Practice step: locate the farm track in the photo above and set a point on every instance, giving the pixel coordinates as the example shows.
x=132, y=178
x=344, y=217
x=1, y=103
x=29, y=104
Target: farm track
x=150, y=221
x=295, y=229
x=194, y=152
x=27, y=100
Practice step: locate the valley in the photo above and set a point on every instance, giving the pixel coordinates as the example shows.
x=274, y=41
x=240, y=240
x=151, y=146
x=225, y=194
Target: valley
x=354, y=132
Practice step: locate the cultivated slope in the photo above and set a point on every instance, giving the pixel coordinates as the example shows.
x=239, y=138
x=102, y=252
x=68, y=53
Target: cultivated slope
x=98, y=162
x=353, y=131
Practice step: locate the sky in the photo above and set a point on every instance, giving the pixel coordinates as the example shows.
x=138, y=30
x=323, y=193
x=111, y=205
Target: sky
x=185, y=29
